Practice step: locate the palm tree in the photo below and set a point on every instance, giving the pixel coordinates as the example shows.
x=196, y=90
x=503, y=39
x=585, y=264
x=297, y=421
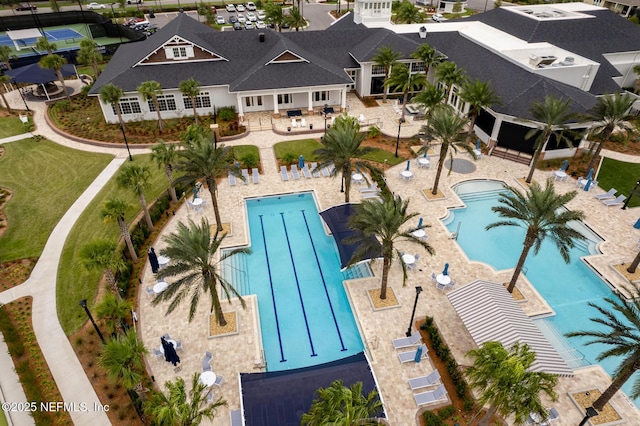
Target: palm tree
x=165, y=155
x=121, y=358
x=345, y=406
x=191, y=249
x=636, y=69
x=55, y=62
x=274, y=14
x=89, y=54
x=150, y=90
x=429, y=98
x=408, y=13
x=180, y=407
x=4, y=79
x=43, y=44
x=504, y=381
x=386, y=57
x=478, y=94
x=6, y=54
x=295, y=19
x=401, y=80
x=449, y=74
x=540, y=212
x=111, y=94
x=622, y=338
x=611, y=112
x=342, y=148
x=114, y=210
x=191, y=89
x=113, y=311
x=136, y=178
x=103, y=255
x=447, y=126
x=550, y=116
x=202, y=160
x=386, y=222
x=430, y=56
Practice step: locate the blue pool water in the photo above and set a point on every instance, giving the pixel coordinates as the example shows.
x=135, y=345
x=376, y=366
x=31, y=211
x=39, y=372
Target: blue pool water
x=294, y=270
x=567, y=288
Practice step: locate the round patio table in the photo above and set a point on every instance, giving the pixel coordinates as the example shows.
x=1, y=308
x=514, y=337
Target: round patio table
x=208, y=378
x=406, y=174
x=409, y=259
x=197, y=202
x=443, y=279
x=357, y=178
x=173, y=343
x=163, y=261
x=419, y=233
x=159, y=287
x=423, y=162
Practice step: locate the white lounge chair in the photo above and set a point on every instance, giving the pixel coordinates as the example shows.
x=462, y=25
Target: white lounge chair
x=294, y=123
x=607, y=195
x=619, y=200
x=424, y=381
x=294, y=172
x=332, y=167
x=232, y=179
x=325, y=172
x=303, y=122
x=411, y=355
x=373, y=188
x=284, y=174
x=314, y=170
x=429, y=397
x=306, y=172
x=255, y=175
x=245, y=175
x=407, y=342
x=369, y=195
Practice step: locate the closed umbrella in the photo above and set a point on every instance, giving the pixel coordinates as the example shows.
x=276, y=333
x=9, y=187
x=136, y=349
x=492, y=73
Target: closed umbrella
x=301, y=161
x=588, y=184
x=418, y=356
x=637, y=224
x=565, y=163
x=425, y=153
x=195, y=191
x=420, y=223
x=590, y=175
x=408, y=165
x=478, y=144
x=446, y=269
x=153, y=260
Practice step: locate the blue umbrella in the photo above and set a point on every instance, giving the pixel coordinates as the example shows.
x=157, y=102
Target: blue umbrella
x=478, y=144
x=420, y=223
x=195, y=191
x=446, y=269
x=590, y=175
x=301, y=162
x=408, y=164
x=418, y=356
x=565, y=163
x=637, y=224
x=425, y=153
x=588, y=184
x=153, y=260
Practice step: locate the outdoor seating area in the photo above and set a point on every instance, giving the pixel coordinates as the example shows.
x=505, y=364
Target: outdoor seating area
x=309, y=171
x=294, y=113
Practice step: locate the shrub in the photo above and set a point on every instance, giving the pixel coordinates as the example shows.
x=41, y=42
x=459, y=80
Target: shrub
x=249, y=160
x=431, y=419
x=468, y=404
x=227, y=113
x=289, y=158
x=374, y=132
x=446, y=412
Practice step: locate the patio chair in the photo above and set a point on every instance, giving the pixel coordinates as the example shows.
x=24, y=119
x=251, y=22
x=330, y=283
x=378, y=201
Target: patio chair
x=232, y=179
x=210, y=396
x=411, y=355
x=618, y=201
x=150, y=292
x=314, y=170
x=179, y=346
x=219, y=380
x=424, y=381
x=236, y=418
x=294, y=172
x=303, y=122
x=607, y=195
x=166, y=336
x=245, y=175
x=433, y=277
x=306, y=172
x=255, y=175
x=407, y=342
x=206, y=362
x=284, y=174
x=429, y=397
x=157, y=353
x=553, y=414
x=294, y=123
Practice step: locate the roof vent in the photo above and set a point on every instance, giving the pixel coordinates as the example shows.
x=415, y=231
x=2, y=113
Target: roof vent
x=261, y=37
x=422, y=32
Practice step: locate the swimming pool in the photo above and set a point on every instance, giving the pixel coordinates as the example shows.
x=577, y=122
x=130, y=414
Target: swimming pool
x=294, y=270
x=567, y=288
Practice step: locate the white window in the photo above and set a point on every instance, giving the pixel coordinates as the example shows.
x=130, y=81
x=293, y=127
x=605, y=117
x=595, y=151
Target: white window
x=128, y=106
x=285, y=98
x=321, y=96
x=251, y=101
x=165, y=103
x=417, y=67
x=179, y=52
x=202, y=101
x=455, y=98
x=377, y=70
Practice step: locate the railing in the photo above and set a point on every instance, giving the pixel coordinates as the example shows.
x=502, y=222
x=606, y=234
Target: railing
x=258, y=125
x=513, y=155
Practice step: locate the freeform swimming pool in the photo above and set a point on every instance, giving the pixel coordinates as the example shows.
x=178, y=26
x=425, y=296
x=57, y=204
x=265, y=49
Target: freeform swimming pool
x=294, y=271
x=567, y=288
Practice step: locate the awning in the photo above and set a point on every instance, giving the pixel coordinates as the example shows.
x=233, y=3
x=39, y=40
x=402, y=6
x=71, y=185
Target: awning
x=35, y=74
x=489, y=312
x=337, y=219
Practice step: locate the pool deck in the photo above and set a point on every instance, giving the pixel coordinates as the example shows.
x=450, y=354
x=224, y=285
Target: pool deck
x=241, y=352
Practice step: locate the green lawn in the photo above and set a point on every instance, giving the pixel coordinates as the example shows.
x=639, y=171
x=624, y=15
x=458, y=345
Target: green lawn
x=46, y=179
x=240, y=151
x=10, y=126
x=307, y=146
x=74, y=282
x=621, y=176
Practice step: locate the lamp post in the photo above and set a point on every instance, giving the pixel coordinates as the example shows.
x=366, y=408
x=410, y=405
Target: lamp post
x=591, y=412
x=413, y=313
x=400, y=121
x=21, y=95
x=325, y=118
x=113, y=12
x=633, y=191
x=124, y=135
x=83, y=303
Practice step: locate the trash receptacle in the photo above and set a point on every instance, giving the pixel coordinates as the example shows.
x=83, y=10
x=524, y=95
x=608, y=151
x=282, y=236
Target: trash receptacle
x=152, y=13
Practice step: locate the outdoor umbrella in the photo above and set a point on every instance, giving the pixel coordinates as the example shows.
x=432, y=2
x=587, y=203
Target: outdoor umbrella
x=170, y=354
x=301, y=161
x=418, y=356
x=565, y=163
x=408, y=164
x=637, y=224
x=588, y=184
x=425, y=153
x=446, y=269
x=590, y=175
x=420, y=223
x=153, y=260
x=478, y=144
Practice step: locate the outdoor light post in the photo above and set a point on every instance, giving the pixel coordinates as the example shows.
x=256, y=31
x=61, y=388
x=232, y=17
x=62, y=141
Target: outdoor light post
x=21, y=95
x=400, y=121
x=415, y=304
x=325, y=118
x=633, y=191
x=591, y=412
x=83, y=303
x=124, y=135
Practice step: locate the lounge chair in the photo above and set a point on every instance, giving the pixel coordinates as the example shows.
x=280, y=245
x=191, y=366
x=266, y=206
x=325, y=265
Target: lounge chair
x=284, y=174
x=619, y=200
x=232, y=179
x=424, y=381
x=236, y=418
x=368, y=195
x=438, y=394
x=325, y=172
x=294, y=172
x=245, y=175
x=332, y=167
x=255, y=175
x=411, y=355
x=314, y=170
x=306, y=172
x=607, y=195
x=373, y=188
x=407, y=342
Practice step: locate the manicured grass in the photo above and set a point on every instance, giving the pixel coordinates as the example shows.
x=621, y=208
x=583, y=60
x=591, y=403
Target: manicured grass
x=240, y=151
x=621, y=176
x=380, y=155
x=303, y=147
x=11, y=126
x=46, y=179
x=74, y=281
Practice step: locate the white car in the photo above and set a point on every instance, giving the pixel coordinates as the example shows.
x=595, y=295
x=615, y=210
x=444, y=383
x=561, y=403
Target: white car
x=241, y=18
x=261, y=15
x=261, y=25
x=94, y=5
x=230, y=8
x=251, y=17
x=438, y=17
x=220, y=20
x=240, y=8
x=251, y=5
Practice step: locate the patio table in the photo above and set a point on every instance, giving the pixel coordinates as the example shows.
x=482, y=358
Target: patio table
x=160, y=286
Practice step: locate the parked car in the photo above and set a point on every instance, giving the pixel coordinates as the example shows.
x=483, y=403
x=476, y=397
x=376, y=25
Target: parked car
x=240, y=8
x=94, y=5
x=233, y=19
x=251, y=5
x=438, y=17
x=251, y=17
x=260, y=25
x=135, y=1
x=230, y=8
x=261, y=15
x=237, y=26
x=220, y=20
x=25, y=6
x=241, y=18
x=214, y=10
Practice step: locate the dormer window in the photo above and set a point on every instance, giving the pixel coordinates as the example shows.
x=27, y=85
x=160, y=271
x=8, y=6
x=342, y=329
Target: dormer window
x=179, y=52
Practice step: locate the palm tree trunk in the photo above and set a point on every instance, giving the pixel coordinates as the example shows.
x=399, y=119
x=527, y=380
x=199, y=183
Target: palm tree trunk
x=64, y=86
x=385, y=88
x=168, y=170
x=536, y=156
x=157, y=107
x=472, y=123
x=485, y=420
x=404, y=103
x=119, y=114
x=604, y=137
x=346, y=175
x=111, y=280
x=124, y=231
x=195, y=111
x=8, y=64
x=215, y=303
x=5, y=102
x=634, y=265
x=528, y=243
x=386, y=265
x=443, y=157
x=211, y=184
x=145, y=209
x=96, y=69
x=615, y=386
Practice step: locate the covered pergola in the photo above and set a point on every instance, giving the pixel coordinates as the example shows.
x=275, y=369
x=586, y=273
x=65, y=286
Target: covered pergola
x=19, y=37
x=35, y=74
